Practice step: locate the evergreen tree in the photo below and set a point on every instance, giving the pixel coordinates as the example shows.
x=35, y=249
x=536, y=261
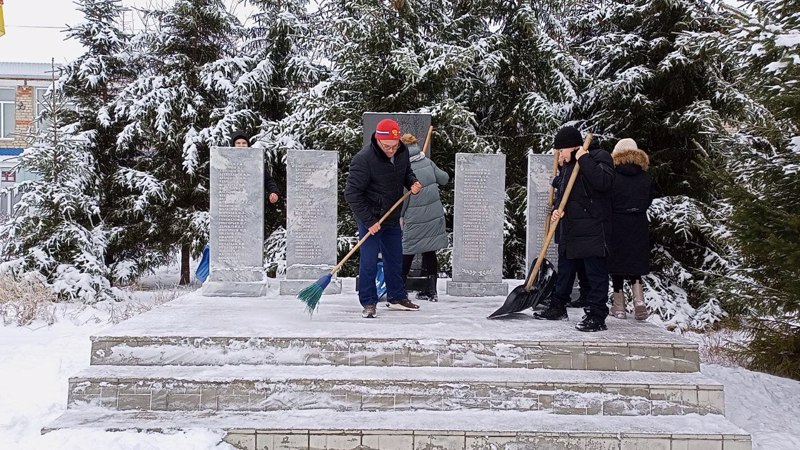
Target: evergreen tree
x=387, y=57
x=168, y=116
x=521, y=96
x=762, y=181
x=53, y=234
x=272, y=65
x=91, y=82
x=646, y=81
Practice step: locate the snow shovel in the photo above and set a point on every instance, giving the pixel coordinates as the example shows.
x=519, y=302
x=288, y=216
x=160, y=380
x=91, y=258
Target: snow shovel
x=541, y=281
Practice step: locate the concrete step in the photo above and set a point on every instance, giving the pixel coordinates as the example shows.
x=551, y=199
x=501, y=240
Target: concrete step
x=647, y=356
x=267, y=388
x=417, y=430
x=195, y=330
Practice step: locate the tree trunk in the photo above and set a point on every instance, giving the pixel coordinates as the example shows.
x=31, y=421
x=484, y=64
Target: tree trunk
x=185, y=273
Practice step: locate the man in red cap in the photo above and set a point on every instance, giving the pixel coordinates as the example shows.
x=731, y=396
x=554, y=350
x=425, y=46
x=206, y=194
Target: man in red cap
x=378, y=174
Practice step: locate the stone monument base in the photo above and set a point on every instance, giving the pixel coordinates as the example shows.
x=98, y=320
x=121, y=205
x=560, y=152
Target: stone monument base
x=293, y=287
x=235, y=288
x=465, y=289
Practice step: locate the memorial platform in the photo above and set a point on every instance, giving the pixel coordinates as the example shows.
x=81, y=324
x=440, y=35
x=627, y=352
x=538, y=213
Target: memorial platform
x=442, y=377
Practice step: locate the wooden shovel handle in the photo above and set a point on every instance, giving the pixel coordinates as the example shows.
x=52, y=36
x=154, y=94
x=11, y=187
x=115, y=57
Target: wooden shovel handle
x=551, y=195
x=554, y=225
x=427, y=141
x=353, y=250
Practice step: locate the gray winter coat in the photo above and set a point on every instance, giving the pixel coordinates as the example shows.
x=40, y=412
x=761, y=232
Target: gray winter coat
x=423, y=214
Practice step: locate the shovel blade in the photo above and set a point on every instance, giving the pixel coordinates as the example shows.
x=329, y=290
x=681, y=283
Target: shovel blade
x=521, y=299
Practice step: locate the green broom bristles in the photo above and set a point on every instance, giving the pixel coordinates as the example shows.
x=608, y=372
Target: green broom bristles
x=313, y=293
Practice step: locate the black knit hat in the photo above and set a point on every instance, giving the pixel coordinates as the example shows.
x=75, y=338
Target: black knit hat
x=239, y=134
x=567, y=137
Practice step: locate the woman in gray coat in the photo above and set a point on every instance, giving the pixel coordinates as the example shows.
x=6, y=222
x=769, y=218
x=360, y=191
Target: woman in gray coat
x=423, y=218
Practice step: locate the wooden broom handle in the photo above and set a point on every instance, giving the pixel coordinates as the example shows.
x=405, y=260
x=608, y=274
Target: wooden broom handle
x=554, y=225
x=353, y=250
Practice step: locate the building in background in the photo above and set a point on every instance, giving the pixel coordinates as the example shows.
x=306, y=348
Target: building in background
x=22, y=90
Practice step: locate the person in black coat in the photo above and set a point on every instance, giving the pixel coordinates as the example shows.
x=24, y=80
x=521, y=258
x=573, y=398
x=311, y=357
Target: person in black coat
x=629, y=257
x=242, y=139
x=584, y=229
x=376, y=181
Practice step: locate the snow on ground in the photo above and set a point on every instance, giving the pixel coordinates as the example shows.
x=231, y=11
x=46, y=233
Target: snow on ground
x=764, y=405
x=36, y=362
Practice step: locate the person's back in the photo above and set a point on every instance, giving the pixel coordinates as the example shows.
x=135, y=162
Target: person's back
x=631, y=196
x=424, y=229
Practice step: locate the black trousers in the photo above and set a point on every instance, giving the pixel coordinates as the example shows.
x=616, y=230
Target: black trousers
x=596, y=277
x=429, y=264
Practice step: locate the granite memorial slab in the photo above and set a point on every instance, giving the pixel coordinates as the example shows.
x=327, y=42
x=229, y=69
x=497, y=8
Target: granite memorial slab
x=237, y=223
x=311, y=218
x=479, y=215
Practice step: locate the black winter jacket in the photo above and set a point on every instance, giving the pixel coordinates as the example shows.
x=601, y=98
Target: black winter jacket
x=585, y=228
x=631, y=195
x=375, y=183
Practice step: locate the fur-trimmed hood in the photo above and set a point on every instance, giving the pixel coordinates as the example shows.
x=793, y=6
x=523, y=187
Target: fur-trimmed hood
x=637, y=157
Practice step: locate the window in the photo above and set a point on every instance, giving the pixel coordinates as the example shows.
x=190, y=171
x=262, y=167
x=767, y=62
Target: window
x=8, y=112
x=8, y=176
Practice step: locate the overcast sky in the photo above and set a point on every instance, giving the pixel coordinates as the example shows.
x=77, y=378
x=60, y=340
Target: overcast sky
x=34, y=28
x=26, y=41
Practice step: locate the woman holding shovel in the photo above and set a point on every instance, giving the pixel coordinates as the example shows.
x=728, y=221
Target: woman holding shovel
x=585, y=229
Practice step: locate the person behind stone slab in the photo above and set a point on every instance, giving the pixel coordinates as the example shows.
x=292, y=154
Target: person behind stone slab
x=586, y=223
x=422, y=219
x=378, y=174
x=242, y=139
x=629, y=253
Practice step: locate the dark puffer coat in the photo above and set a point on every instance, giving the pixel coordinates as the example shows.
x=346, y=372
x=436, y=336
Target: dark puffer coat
x=631, y=196
x=375, y=183
x=585, y=228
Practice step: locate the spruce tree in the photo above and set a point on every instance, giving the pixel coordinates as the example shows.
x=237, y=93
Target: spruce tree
x=273, y=64
x=53, y=234
x=763, y=171
x=645, y=80
x=91, y=82
x=168, y=116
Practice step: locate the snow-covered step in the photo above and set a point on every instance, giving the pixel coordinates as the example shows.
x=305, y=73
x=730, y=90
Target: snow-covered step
x=345, y=388
x=457, y=430
x=196, y=330
x=645, y=355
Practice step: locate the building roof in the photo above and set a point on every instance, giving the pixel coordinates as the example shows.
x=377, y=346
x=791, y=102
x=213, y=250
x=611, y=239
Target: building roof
x=30, y=71
x=10, y=151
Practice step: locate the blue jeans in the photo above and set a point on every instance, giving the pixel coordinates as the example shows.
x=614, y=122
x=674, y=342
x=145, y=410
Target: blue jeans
x=389, y=243
x=596, y=277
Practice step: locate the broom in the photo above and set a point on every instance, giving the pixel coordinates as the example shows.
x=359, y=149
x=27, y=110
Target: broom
x=311, y=294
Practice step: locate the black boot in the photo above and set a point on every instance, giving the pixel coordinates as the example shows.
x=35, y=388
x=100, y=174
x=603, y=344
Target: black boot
x=432, y=293
x=591, y=323
x=553, y=312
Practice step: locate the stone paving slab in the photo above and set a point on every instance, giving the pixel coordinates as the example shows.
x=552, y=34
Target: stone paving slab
x=427, y=430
